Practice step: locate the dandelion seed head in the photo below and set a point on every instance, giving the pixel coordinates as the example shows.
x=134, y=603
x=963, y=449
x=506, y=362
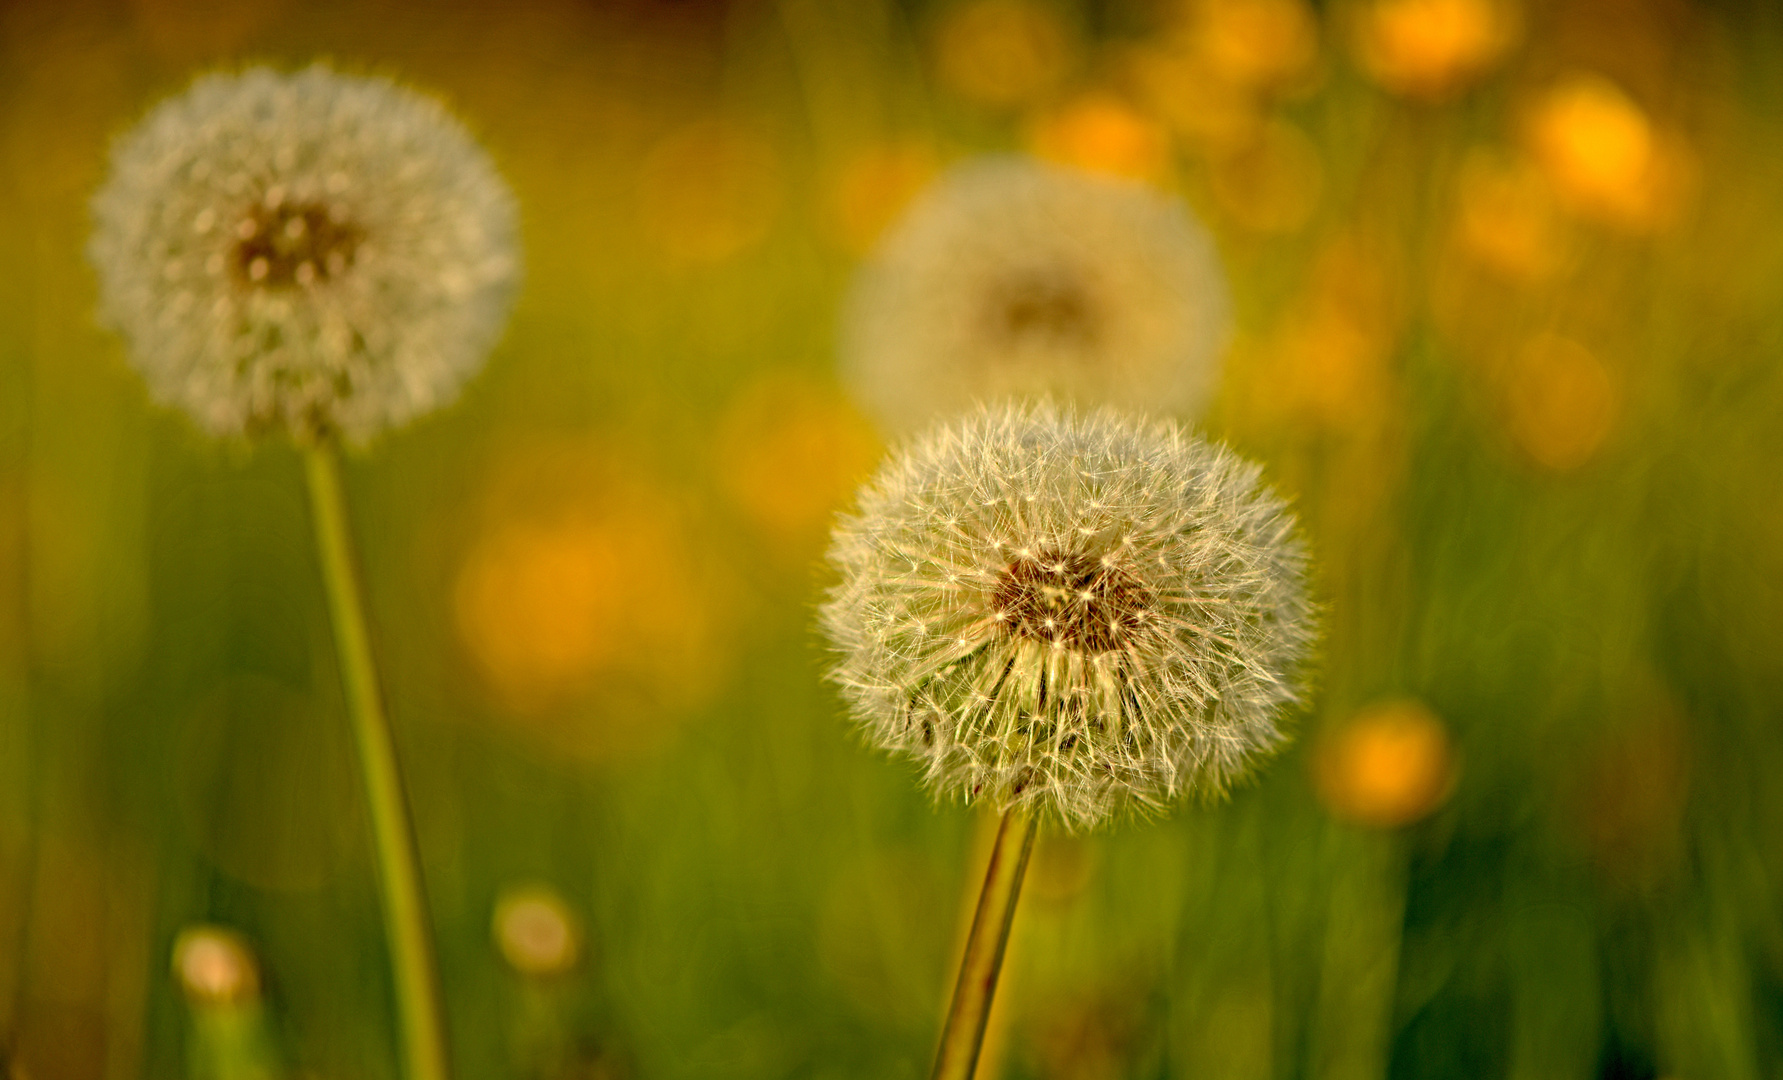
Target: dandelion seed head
x=309, y=252
x=215, y=966
x=1011, y=277
x=536, y=932
x=1071, y=613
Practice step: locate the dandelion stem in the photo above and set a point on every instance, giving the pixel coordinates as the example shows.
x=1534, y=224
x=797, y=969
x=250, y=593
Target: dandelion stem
x=412, y=963
x=963, y=1036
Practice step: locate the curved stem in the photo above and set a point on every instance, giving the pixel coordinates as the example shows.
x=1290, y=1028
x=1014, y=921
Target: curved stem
x=416, y=977
x=963, y=1036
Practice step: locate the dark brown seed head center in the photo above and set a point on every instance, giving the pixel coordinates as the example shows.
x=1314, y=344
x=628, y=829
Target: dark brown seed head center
x=293, y=244
x=1077, y=601
x=1048, y=306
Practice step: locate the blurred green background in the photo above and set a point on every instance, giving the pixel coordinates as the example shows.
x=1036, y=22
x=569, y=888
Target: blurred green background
x=1510, y=291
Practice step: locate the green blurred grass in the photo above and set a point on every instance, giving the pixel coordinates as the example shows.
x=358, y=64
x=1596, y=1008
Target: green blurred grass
x=763, y=896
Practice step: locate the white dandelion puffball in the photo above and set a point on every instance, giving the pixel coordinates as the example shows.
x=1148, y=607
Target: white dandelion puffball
x=1009, y=277
x=1070, y=613
x=309, y=251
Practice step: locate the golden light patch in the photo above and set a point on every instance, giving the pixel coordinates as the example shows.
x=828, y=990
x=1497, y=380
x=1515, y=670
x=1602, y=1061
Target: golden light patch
x=1430, y=48
x=1272, y=185
x=1327, y=363
x=1389, y=765
x=873, y=187
x=1257, y=44
x=1205, y=111
x=790, y=454
x=1100, y=133
x=1506, y=219
x=584, y=605
x=709, y=191
x=1561, y=401
x=1603, y=154
x=1001, y=53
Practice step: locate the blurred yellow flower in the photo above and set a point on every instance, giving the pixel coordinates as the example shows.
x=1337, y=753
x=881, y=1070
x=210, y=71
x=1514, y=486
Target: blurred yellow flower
x=536, y=932
x=1603, y=155
x=1098, y=132
x=215, y=967
x=1206, y=112
x=790, y=453
x=1389, y=765
x=1256, y=44
x=1561, y=401
x=1430, y=48
x=1208, y=77
x=708, y=191
x=1002, y=53
x=1273, y=184
x=873, y=187
x=1326, y=364
x=584, y=604
x=1507, y=220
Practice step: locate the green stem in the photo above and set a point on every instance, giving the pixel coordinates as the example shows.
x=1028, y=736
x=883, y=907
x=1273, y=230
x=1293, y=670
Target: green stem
x=405, y=906
x=963, y=1036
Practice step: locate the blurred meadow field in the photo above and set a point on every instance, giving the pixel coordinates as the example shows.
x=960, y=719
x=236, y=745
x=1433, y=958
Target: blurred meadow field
x=1508, y=281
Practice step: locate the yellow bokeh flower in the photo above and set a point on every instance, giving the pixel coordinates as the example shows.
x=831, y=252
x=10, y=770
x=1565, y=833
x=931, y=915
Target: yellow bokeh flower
x=1389, y=765
x=1272, y=185
x=1002, y=53
x=1430, y=48
x=1210, y=76
x=1206, y=112
x=789, y=454
x=709, y=191
x=1561, y=401
x=1603, y=154
x=1326, y=364
x=1506, y=219
x=584, y=604
x=1098, y=132
x=873, y=187
x=1256, y=44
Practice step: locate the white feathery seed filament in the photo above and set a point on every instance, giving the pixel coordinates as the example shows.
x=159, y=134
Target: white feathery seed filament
x=1010, y=277
x=1070, y=613
x=314, y=251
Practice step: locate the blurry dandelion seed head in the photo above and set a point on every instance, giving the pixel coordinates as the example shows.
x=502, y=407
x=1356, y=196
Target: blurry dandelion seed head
x=1071, y=613
x=1010, y=277
x=312, y=252
x=537, y=933
x=214, y=966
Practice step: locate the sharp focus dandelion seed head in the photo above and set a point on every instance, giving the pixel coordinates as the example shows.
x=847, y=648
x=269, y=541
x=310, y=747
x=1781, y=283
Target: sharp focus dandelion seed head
x=1071, y=613
x=1014, y=278
x=308, y=251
